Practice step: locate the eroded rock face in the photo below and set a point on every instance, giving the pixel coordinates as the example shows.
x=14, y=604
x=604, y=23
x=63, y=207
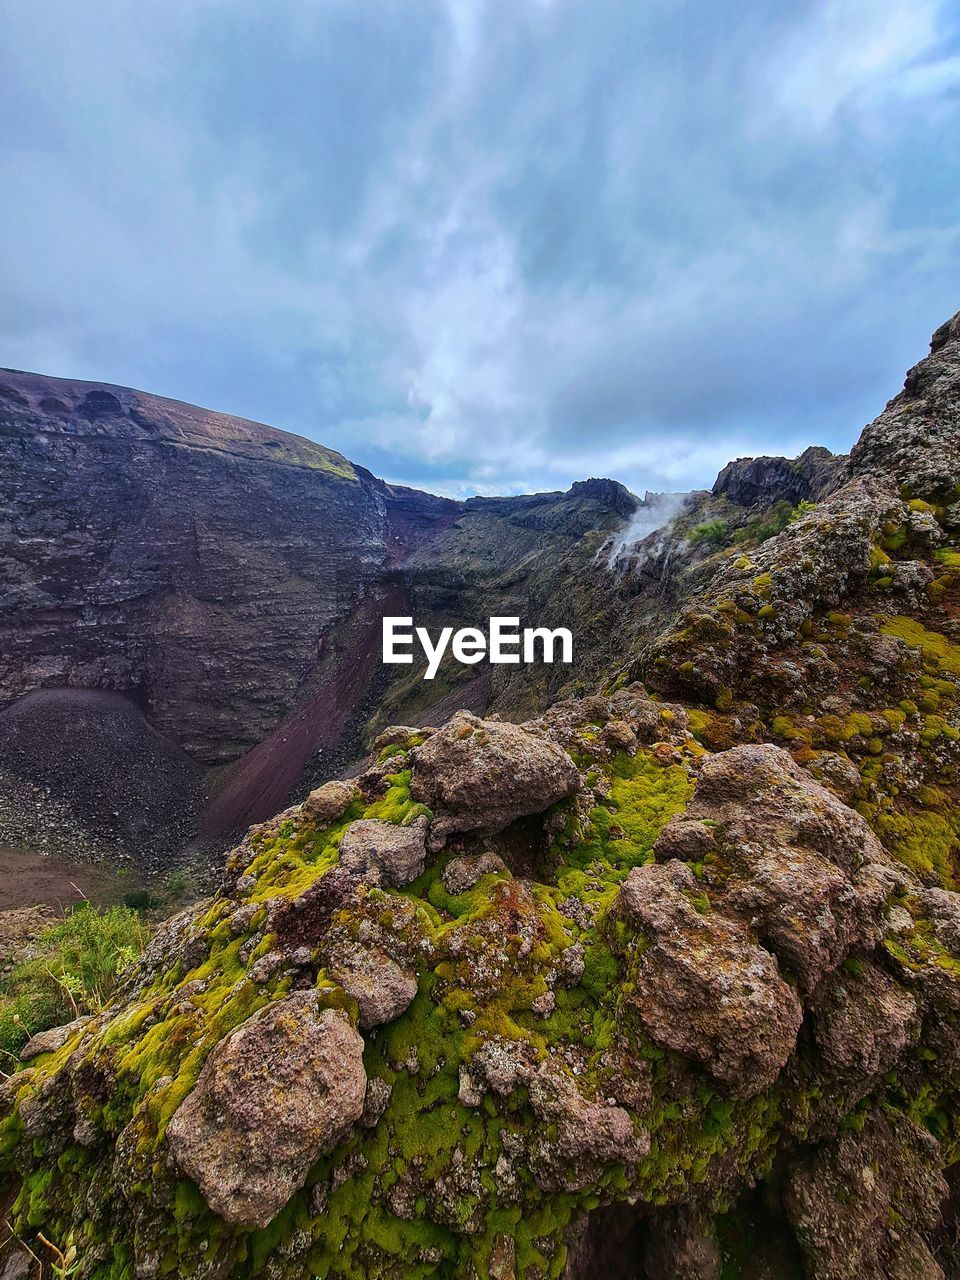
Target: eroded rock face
x=763, y=481
x=481, y=775
x=681, y=1246
x=863, y=1205
x=702, y=988
x=277, y=1093
x=210, y=567
x=863, y=1021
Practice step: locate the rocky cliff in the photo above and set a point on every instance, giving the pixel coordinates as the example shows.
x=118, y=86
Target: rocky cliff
x=191, y=560
x=661, y=984
x=229, y=580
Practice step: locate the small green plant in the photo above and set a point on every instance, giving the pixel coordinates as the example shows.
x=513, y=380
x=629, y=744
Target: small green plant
x=711, y=534
x=140, y=900
x=63, y=1262
x=71, y=970
x=768, y=525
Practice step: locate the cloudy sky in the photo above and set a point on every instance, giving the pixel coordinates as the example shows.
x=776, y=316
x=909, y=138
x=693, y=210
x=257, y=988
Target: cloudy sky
x=487, y=245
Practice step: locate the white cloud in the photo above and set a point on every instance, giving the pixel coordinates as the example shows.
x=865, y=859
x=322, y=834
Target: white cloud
x=853, y=53
x=486, y=246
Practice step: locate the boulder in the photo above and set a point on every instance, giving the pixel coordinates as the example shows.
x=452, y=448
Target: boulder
x=861, y=1204
x=701, y=987
x=461, y=874
x=383, y=853
x=51, y=1040
x=481, y=775
x=277, y=1093
x=328, y=803
x=381, y=987
x=802, y=868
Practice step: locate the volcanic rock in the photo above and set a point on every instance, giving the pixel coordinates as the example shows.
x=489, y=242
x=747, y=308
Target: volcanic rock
x=481, y=775
x=283, y=1088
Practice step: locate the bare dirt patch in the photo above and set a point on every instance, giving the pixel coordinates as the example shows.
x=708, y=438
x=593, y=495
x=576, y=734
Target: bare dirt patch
x=33, y=879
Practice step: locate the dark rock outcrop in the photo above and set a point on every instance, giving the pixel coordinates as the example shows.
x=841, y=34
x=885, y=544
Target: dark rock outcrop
x=916, y=440
x=753, y=482
x=864, y=1205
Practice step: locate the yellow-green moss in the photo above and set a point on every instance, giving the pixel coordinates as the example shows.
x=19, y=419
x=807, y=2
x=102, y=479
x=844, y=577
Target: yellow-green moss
x=938, y=653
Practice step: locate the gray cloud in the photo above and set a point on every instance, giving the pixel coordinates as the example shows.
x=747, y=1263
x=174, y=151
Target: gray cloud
x=487, y=245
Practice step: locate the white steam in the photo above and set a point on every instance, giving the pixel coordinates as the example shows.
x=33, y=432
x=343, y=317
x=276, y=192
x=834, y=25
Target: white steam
x=657, y=510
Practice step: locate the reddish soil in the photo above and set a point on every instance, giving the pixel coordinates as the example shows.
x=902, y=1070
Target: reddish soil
x=260, y=783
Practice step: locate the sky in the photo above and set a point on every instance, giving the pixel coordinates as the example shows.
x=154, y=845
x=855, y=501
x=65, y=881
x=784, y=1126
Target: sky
x=487, y=246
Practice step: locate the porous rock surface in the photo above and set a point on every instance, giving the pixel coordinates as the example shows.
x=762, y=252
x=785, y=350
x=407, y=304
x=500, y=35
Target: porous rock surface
x=702, y=988
x=283, y=1088
x=482, y=775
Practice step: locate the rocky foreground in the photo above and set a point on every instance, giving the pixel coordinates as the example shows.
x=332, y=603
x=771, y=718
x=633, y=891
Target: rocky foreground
x=664, y=983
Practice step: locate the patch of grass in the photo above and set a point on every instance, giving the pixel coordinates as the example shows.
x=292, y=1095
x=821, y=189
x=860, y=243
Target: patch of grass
x=72, y=970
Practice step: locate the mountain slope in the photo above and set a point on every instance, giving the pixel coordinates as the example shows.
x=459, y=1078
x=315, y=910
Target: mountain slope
x=229, y=579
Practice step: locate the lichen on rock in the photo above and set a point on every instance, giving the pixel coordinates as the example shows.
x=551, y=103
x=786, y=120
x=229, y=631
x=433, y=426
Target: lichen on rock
x=278, y=1092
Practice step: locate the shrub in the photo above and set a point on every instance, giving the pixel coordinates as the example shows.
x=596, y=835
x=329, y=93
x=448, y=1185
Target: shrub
x=760, y=528
x=712, y=534
x=71, y=970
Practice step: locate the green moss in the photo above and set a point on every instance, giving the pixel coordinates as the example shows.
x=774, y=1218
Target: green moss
x=927, y=842
x=419, y=1195
x=621, y=833
x=879, y=560
x=938, y=653
x=724, y=700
